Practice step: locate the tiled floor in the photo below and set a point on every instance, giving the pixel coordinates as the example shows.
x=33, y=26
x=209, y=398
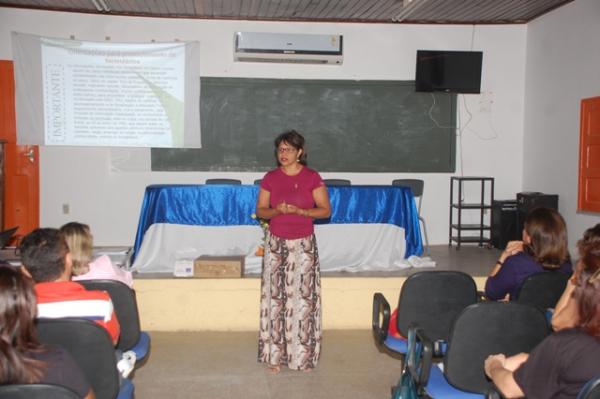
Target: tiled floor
x=223, y=365
x=220, y=365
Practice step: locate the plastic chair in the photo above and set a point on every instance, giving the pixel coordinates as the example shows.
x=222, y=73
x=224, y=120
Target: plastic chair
x=125, y=303
x=591, y=390
x=480, y=330
x=430, y=299
x=414, y=375
x=337, y=182
x=417, y=187
x=235, y=182
x=542, y=290
x=91, y=347
x=36, y=391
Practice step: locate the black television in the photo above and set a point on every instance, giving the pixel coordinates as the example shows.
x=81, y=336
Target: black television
x=448, y=71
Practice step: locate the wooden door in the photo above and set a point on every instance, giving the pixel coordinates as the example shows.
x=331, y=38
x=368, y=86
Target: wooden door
x=21, y=173
x=589, y=156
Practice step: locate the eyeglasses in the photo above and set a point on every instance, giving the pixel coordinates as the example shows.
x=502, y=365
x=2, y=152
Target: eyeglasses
x=286, y=149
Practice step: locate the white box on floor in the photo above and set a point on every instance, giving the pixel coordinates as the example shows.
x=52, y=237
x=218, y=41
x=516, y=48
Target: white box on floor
x=183, y=268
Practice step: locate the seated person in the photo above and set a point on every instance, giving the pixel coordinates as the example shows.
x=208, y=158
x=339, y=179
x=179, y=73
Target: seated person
x=544, y=248
x=23, y=360
x=80, y=242
x=564, y=361
x=565, y=313
x=46, y=259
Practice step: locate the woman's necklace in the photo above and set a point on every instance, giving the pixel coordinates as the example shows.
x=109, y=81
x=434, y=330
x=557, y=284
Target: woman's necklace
x=293, y=174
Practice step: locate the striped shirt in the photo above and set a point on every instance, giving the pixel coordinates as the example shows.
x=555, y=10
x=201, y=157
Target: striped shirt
x=69, y=299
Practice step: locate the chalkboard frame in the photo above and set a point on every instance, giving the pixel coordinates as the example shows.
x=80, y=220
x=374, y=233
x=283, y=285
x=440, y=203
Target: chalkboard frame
x=370, y=126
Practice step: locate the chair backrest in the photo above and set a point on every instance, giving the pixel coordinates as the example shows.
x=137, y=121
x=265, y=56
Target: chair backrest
x=7, y=235
x=416, y=366
x=416, y=185
x=36, y=391
x=543, y=290
x=337, y=182
x=90, y=346
x=223, y=181
x=487, y=328
x=591, y=390
x=125, y=303
x=432, y=299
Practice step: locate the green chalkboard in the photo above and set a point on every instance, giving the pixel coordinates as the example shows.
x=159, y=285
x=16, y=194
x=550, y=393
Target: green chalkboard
x=349, y=126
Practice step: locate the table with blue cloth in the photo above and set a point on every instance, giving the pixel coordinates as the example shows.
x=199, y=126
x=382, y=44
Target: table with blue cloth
x=370, y=228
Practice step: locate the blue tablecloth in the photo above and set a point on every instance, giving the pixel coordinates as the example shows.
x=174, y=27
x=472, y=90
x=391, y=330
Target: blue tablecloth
x=231, y=205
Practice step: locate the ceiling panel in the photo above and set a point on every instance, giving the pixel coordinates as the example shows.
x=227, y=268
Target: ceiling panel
x=377, y=11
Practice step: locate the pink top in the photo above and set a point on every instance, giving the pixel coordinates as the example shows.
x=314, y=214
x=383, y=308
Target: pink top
x=295, y=190
x=102, y=268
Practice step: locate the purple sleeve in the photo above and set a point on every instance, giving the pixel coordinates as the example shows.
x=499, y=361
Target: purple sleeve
x=503, y=282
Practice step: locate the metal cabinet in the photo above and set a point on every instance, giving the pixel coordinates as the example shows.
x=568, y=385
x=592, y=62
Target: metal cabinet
x=477, y=230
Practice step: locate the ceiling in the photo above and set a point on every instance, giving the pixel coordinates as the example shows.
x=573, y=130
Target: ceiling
x=377, y=11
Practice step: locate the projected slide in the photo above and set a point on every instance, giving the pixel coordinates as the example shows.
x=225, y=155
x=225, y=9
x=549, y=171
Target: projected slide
x=111, y=94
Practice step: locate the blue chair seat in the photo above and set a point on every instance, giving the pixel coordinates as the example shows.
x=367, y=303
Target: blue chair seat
x=439, y=387
x=400, y=345
x=126, y=389
x=397, y=344
x=142, y=347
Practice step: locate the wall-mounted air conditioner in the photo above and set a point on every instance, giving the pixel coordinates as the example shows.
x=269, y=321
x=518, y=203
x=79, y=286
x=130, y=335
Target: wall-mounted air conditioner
x=284, y=47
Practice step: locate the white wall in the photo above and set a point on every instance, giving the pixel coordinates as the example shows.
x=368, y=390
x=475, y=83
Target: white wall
x=563, y=67
x=110, y=200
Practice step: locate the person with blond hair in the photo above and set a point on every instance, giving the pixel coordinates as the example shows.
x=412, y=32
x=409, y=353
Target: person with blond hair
x=81, y=243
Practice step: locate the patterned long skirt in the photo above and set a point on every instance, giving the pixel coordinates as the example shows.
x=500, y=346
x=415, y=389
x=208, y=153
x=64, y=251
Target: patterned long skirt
x=290, y=304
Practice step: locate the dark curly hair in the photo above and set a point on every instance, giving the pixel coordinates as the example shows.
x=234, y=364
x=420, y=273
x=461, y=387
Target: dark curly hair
x=294, y=139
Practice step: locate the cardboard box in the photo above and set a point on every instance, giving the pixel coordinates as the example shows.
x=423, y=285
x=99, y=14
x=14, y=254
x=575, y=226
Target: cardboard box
x=219, y=266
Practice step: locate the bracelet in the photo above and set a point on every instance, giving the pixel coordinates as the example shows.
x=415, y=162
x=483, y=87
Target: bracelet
x=500, y=263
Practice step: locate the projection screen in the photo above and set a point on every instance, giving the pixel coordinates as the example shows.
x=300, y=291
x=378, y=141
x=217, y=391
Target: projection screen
x=81, y=93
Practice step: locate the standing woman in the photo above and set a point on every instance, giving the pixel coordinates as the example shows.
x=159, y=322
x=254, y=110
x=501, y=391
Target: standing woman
x=291, y=196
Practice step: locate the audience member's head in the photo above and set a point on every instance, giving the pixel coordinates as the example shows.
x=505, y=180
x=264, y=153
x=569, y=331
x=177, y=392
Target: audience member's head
x=587, y=290
x=590, y=237
x=45, y=255
x=80, y=241
x=546, y=237
x=17, y=329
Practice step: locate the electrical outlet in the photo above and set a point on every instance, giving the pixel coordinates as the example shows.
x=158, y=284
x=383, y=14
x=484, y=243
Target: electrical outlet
x=65, y=209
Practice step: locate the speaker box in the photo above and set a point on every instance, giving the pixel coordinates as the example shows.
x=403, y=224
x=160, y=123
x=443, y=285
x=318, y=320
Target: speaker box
x=504, y=223
x=526, y=201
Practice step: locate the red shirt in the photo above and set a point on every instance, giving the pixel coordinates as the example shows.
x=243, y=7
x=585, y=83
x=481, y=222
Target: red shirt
x=68, y=299
x=295, y=190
